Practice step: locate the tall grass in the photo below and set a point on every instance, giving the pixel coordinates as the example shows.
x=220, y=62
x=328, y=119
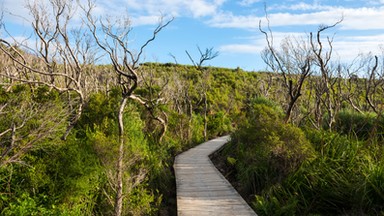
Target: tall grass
x=343, y=179
x=363, y=126
x=319, y=173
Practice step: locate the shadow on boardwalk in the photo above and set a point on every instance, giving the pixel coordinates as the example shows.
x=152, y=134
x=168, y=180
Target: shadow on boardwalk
x=201, y=189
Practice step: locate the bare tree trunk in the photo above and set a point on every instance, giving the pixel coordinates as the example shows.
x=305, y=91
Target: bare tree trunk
x=323, y=59
x=164, y=123
x=293, y=70
x=190, y=112
x=74, y=120
x=371, y=86
x=288, y=113
x=331, y=111
x=125, y=63
x=120, y=164
x=205, y=116
x=318, y=111
x=207, y=55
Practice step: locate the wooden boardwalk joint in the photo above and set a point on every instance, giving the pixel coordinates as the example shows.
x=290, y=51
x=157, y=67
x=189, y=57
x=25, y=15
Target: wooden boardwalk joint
x=201, y=188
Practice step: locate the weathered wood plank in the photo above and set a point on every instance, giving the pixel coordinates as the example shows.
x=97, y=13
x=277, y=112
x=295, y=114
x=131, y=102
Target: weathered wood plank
x=201, y=189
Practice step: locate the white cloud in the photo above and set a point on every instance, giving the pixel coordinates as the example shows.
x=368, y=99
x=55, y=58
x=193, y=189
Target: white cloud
x=376, y=2
x=292, y=16
x=354, y=19
x=347, y=48
x=248, y=2
x=195, y=8
x=145, y=20
x=255, y=45
x=241, y=48
x=316, y=18
x=363, y=18
x=144, y=11
x=301, y=6
x=141, y=11
x=15, y=11
x=229, y=20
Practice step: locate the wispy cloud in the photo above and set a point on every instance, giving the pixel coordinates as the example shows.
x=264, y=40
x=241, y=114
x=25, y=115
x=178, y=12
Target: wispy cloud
x=286, y=18
x=346, y=48
x=248, y=2
x=376, y=2
x=256, y=44
x=293, y=14
x=301, y=6
x=241, y=48
x=349, y=47
x=305, y=17
x=363, y=18
x=354, y=19
x=194, y=8
x=15, y=11
x=142, y=12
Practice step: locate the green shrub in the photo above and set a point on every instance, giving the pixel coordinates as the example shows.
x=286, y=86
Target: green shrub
x=350, y=122
x=267, y=102
x=26, y=205
x=343, y=179
x=267, y=150
x=219, y=124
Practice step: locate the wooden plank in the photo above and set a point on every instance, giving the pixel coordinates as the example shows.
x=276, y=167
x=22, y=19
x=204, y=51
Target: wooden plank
x=201, y=188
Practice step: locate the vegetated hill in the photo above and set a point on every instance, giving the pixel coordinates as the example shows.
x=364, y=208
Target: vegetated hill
x=42, y=174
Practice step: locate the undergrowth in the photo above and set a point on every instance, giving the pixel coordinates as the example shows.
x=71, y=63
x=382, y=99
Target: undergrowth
x=284, y=170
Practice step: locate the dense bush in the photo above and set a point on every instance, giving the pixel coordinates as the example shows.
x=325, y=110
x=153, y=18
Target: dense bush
x=349, y=122
x=284, y=171
x=344, y=178
x=265, y=149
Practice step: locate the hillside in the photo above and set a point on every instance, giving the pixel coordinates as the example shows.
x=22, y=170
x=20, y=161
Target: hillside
x=44, y=174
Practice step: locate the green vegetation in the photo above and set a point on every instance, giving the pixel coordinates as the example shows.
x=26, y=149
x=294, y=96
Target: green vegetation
x=51, y=176
x=279, y=167
x=284, y=170
x=266, y=149
x=81, y=138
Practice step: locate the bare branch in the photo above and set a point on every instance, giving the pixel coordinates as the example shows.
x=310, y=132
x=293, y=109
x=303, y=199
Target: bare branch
x=371, y=85
x=160, y=27
x=207, y=55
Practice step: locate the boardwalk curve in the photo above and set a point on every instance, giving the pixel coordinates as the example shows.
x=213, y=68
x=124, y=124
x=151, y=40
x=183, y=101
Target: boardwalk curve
x=201, y=188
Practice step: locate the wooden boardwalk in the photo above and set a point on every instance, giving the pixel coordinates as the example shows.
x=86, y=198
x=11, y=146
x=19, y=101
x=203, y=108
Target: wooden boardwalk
x=201, y=188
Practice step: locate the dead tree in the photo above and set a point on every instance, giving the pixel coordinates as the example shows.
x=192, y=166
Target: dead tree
x=59, y=58
x=374, y=86
x=293, y=62
x=205, y=56
x=125, y=63
x=322, y=59
x=353, y=85
x=25, y=124
x=181, y=99
x=154, y=84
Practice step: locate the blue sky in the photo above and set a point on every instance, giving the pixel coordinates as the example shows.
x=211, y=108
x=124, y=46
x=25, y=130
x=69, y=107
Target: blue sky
x=231, y=27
